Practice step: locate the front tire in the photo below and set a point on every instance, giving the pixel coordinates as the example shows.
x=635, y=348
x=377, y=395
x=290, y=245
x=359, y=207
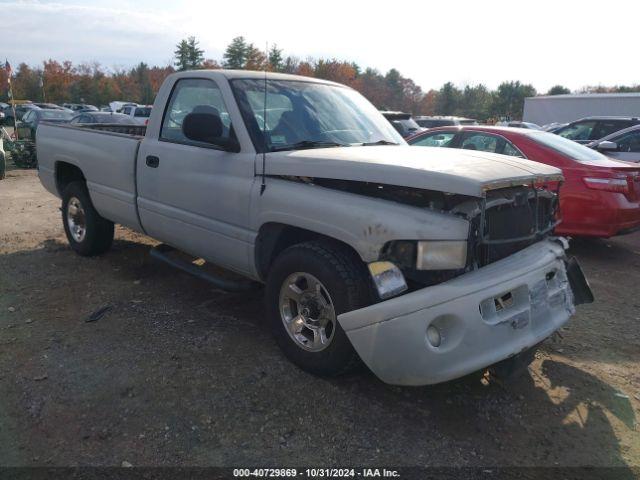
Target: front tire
x=308, y=286
x=87, y=232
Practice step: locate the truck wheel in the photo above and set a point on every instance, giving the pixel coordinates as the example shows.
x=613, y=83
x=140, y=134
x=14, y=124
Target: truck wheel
x=308, y=286
x=88, y=233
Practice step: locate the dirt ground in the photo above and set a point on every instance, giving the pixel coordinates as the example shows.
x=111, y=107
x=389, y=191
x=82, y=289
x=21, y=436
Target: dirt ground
x=178, y=373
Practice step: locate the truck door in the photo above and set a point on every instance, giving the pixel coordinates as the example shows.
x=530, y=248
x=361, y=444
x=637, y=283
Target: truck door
x=193, y=195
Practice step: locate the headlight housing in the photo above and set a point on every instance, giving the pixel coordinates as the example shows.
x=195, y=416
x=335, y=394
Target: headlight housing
x=427, y=254
x=441, y=255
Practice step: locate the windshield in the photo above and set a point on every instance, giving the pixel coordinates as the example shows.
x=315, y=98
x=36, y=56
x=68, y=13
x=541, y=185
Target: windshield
x=55, y=115
x=303, y=114
x=569, y=148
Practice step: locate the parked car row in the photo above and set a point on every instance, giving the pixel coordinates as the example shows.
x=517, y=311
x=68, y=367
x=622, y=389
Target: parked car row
x=617, y=137
x=600, y=196
x=135, y=114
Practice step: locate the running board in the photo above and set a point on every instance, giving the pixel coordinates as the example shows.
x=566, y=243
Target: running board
x=161, y=252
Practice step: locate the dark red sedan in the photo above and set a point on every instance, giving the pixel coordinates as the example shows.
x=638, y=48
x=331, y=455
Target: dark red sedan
x=600, y=196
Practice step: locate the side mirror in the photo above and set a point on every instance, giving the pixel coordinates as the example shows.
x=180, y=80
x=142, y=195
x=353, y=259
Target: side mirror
x=206, y=127
x=607, y=146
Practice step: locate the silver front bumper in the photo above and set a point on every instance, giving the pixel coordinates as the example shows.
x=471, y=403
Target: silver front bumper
x=483, y=317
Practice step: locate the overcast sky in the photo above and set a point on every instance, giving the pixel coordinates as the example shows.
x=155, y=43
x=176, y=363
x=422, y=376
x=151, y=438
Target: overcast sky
x=543, y=42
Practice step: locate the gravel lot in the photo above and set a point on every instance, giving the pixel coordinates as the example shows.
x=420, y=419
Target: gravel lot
x=178, y=373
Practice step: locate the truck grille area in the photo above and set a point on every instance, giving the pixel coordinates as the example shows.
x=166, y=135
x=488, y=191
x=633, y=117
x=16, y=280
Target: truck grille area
x=510, y=220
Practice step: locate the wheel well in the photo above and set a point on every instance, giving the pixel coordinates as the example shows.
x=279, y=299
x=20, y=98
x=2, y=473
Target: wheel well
x=65, y=174
x=273, y=238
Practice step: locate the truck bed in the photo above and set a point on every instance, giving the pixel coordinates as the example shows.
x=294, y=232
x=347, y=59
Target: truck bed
x=106, y=154
x=131, y=130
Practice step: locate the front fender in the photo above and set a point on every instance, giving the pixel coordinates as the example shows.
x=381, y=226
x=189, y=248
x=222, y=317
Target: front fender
x=364, y=223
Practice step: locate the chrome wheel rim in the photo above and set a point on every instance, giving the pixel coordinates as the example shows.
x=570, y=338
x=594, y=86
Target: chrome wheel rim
x=307, y=312
x=76, y=220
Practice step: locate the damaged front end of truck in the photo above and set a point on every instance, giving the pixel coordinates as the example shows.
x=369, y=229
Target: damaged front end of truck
x=452, y=301
x=513, y=286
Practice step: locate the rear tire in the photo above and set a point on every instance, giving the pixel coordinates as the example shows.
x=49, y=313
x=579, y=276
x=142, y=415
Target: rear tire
x=308, y=286
x=87, y=232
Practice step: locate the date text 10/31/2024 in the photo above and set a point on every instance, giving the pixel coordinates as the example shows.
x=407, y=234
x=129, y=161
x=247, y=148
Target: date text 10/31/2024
x=316, y=472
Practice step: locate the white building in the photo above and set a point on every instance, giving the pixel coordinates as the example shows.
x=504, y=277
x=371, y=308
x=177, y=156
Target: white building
x=567, y=108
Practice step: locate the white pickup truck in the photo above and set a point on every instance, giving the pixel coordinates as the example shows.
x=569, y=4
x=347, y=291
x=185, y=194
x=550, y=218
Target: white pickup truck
x=426, y=264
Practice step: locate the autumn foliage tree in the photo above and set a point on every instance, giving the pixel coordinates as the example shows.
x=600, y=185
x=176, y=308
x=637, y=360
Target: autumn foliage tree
x=92, y=83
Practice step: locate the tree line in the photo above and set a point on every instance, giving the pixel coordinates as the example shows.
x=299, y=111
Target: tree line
x=60, y=82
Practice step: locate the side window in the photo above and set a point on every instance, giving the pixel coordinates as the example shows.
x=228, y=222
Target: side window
x=193, y=95
x=629, y=142
x=436, y=139
x=144, y=112
x=126, y=110
x=607, y=127
x=511, y=150
x=578, y=131
x=480, y=141
x=27, y=117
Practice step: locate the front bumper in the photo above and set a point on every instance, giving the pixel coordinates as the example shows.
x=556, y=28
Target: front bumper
x=484, y=316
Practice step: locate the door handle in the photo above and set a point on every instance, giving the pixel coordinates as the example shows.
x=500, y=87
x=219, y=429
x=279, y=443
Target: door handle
x=153, y=161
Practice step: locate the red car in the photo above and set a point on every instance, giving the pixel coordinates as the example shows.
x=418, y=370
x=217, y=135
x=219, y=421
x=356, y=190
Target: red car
x=600, y=196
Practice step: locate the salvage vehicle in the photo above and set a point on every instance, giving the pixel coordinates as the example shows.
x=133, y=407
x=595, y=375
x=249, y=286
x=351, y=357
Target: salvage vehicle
x=30, y=120
x=622, y=145
x=404, y=124
x=588, y=129
x=426, y=264
x=600, y=196
x=103, y=117
x=138, y=114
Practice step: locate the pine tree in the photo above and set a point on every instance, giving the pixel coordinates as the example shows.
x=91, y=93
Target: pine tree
x=195, y=54
x=275, y=59
x=182, y=56
x=188, y=55
x=235, y=56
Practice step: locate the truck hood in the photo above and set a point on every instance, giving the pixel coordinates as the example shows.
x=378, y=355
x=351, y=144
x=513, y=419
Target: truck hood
x=464, y=172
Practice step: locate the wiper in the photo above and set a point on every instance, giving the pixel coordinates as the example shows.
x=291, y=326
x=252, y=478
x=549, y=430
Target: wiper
x=305, y=144
x=379, y=142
